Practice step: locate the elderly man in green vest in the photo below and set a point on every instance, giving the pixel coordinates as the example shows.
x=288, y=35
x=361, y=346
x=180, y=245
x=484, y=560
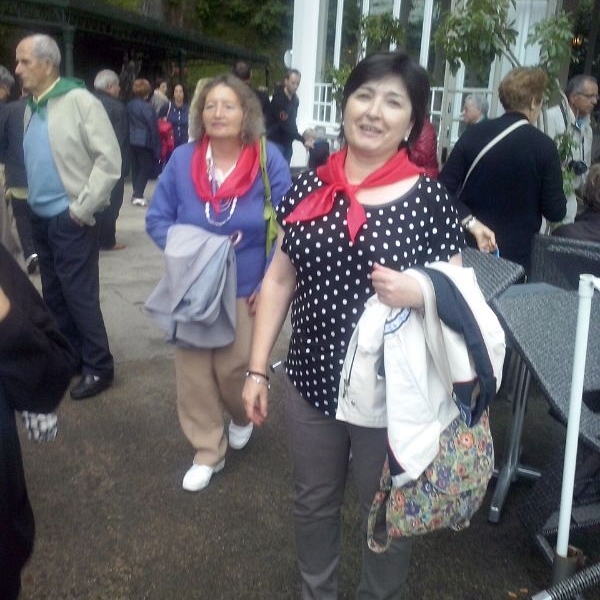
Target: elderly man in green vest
x=73, y=161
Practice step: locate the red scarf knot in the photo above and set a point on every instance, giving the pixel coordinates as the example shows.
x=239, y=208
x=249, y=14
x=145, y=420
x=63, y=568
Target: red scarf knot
x=320, y=202
x=237, y=183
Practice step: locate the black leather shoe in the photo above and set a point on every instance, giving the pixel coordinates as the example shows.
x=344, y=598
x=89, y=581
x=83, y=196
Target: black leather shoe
x=90, y=385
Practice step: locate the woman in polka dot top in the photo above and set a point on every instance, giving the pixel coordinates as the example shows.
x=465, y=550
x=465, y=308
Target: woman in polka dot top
x=348, y=230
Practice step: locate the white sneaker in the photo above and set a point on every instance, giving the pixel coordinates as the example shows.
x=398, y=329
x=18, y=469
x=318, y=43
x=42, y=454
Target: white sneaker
x=198, y=476
x=139, y=202
x=239, y=435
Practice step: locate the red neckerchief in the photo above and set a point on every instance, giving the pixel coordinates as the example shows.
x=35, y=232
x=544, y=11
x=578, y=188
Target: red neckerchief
x=320, y=202
x=236, y=184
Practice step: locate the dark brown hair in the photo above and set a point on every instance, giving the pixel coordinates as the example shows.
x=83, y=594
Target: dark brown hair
x=393, y=64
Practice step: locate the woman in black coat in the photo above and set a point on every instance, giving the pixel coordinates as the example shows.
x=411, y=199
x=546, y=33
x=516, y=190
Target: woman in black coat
x=517, y=181
x=36, y=365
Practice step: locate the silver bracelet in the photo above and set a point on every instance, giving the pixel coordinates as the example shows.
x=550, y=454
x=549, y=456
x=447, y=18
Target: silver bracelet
x=259, y=378
x=468, y=222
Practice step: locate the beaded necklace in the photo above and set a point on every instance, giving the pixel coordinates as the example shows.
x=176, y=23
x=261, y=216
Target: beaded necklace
x=224, y=205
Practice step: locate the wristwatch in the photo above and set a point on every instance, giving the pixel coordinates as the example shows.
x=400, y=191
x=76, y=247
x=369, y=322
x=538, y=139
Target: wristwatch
x=468, y=222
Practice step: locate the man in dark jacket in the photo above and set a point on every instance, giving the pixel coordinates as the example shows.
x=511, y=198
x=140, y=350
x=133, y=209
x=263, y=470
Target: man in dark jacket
x=36, y=365
x=242, y=70
x=281, y=124
x=107, y=89
x=8, y=231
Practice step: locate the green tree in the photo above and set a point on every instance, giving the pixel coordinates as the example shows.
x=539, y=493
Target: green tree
x=377, y=32
x=381, y=30
x=350, y=33
x=338, y=78
x=477, y=31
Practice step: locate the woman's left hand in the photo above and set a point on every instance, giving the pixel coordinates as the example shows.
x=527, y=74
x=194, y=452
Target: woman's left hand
x=484, y=236
x=395, y=289
x=252, y=302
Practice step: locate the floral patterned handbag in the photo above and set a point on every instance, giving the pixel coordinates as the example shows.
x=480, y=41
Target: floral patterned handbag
x=448, y=492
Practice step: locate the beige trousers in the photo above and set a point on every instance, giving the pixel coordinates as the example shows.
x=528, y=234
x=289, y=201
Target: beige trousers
x=209, y=382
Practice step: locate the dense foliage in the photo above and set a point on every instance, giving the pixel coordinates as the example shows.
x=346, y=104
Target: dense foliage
x=477, y=31
x=264, y=26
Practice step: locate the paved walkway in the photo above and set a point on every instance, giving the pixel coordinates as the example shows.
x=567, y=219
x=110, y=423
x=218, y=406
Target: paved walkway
x=114, y=524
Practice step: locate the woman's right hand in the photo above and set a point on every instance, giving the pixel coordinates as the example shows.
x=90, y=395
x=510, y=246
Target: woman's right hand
x=255, y=398
x=484, y=236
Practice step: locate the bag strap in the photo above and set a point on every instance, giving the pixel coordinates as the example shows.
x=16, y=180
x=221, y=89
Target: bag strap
x=487, y=148
x=379, y=504
x=263, y=170
x=564, y=115
x=268, y=211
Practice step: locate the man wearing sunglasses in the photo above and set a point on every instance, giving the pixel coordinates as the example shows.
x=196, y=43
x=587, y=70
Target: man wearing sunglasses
x=574, y=117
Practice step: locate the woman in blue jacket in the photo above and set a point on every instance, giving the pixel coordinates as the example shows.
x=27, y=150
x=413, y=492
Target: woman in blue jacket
x=143, y=139
x=215, y=183
x=177, y=115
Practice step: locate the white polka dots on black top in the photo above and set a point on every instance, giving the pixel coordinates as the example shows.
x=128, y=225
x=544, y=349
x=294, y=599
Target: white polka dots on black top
x=332, y=272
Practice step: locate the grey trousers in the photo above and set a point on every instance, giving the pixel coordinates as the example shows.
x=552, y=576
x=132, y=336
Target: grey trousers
x=319, y=449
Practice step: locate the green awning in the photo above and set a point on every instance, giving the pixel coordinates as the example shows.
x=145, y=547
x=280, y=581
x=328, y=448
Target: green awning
x=121, y=28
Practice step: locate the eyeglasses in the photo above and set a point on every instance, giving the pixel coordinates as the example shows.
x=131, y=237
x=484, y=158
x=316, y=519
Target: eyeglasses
x=588, y=96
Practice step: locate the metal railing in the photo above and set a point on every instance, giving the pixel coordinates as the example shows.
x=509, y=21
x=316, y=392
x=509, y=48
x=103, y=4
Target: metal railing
x=324, y=106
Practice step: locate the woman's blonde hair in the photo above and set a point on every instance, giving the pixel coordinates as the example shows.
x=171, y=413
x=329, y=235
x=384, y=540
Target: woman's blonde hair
x=253, y=124
x=193, y=110
x=522, y=86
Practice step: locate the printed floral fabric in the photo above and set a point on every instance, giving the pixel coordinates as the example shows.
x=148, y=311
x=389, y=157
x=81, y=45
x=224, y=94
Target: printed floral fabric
x=446, y=495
